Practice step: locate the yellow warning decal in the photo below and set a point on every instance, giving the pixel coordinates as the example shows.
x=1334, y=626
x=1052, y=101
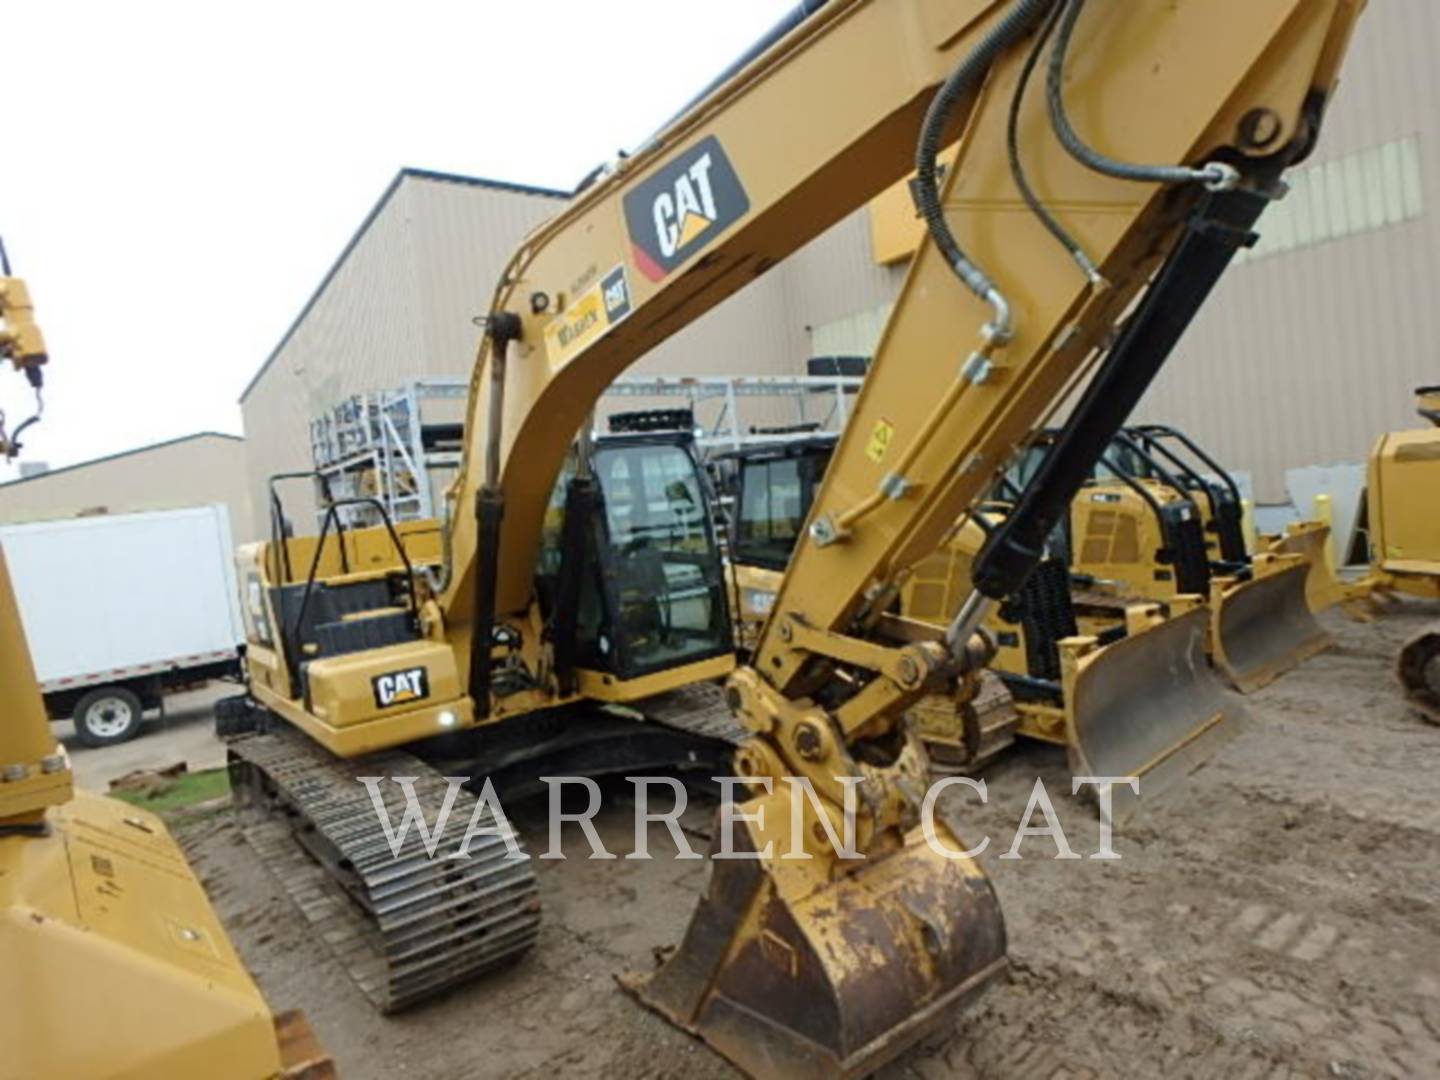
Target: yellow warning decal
x=584, y=322
x=880, y=441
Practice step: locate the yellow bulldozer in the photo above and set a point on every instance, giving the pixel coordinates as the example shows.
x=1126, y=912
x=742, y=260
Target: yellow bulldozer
x=1403, y=530
x=1060, y=271
x=101, y=918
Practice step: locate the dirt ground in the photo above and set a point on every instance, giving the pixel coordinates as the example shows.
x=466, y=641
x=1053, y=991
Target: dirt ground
x=1276, y=917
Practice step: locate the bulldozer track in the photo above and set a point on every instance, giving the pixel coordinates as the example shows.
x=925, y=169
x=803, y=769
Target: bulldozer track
x=404, y=924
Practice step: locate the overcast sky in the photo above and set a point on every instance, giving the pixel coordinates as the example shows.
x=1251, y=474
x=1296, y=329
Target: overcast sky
x=177, y=177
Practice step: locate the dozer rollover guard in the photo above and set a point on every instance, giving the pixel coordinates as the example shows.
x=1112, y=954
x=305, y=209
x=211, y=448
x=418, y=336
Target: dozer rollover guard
x=1058, y=263
x=1149, y=526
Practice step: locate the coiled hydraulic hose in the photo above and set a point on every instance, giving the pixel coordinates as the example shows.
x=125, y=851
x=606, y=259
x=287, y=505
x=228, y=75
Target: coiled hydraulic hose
x=1217, y=176
x=1014, y=25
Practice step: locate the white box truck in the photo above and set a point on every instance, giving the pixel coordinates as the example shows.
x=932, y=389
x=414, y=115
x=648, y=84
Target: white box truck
x=121, y=609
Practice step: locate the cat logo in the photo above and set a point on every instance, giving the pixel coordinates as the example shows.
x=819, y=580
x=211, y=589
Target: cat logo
x=685, y=205
x=400, y=687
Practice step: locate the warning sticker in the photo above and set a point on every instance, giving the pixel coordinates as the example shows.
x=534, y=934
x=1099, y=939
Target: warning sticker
x=584, y=322
x=880, y=441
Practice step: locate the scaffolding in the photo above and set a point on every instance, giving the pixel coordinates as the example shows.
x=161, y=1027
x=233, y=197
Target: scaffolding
x=790, y=404
x=389, y=446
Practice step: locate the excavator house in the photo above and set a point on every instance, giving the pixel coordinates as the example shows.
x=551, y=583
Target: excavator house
x=571, y=612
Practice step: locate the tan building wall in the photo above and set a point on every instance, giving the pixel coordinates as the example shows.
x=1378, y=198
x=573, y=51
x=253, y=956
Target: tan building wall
x=192, y=471
x=1306, y=356
x=397, y=304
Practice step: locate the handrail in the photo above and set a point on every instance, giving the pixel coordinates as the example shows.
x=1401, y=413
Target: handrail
x=332, y=513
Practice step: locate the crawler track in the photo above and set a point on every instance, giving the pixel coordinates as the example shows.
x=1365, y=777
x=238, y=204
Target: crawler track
x=411, y=925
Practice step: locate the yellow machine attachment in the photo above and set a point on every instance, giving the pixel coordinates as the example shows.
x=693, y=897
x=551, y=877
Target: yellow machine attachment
x=1138, y=537
x=102, y=919
x=1135, y=699
x=1404, y=530
x=1404, y=534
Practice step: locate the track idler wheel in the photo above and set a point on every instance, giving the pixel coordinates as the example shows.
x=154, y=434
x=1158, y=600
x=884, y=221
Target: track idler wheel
x=1419, y=671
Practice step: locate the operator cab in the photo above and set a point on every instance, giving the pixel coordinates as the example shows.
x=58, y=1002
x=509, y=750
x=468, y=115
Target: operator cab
x=648, y=586
x=774, y=488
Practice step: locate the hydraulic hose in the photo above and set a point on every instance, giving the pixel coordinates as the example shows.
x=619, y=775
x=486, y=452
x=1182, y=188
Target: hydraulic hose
x=1217, y=176
x=963, y=81
x=1017, y=165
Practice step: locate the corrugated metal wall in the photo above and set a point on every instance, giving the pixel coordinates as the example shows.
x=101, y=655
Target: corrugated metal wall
x=1305, y=356
x=398, y=306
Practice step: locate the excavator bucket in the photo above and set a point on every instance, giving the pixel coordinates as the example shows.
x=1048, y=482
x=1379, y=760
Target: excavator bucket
x=1148, y=706
x=1263, y=627
x=1311, y=540
x=1419, y=671
x=796, y=974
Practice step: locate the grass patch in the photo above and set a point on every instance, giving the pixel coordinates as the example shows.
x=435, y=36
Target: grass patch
x=187, y=790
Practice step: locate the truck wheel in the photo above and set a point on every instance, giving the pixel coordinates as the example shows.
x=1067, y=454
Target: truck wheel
x=107, y=715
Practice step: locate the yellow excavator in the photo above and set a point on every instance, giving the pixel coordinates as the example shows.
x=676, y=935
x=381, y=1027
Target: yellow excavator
x=115, y=964
x=1404, y=535
x=1059, y=264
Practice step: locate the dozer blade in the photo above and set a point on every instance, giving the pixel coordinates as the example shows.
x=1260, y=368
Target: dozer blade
x=1419, y=671
x=1264, y=627
x=790, y=974
x=1149, y=706
x=1310, y=540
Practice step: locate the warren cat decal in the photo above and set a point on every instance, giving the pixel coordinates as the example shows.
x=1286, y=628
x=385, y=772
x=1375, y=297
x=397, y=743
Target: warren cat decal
x=600, y=307
x=684, y=206
x=400, y=687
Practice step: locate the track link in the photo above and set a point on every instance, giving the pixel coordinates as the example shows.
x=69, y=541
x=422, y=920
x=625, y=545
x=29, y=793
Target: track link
x=406, y=926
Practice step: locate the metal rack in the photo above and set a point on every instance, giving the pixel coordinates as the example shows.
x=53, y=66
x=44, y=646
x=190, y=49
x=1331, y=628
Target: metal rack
x=386, y=446
x=796, y=403
x=383, y=445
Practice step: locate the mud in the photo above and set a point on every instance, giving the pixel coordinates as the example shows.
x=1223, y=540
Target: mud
x=1276, y=916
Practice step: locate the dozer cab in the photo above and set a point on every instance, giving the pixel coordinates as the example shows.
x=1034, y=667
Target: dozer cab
x=1138, y=530
x=1053, y=273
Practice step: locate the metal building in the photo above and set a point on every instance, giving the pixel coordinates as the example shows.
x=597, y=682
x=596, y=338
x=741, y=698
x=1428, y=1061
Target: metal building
x=1309, y=349
x=208, y=467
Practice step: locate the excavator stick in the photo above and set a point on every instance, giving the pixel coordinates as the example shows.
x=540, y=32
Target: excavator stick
x=797, y=974
x=1265, y=626
x=1311, y=540
x=1148, y=706
x=1419, y=671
